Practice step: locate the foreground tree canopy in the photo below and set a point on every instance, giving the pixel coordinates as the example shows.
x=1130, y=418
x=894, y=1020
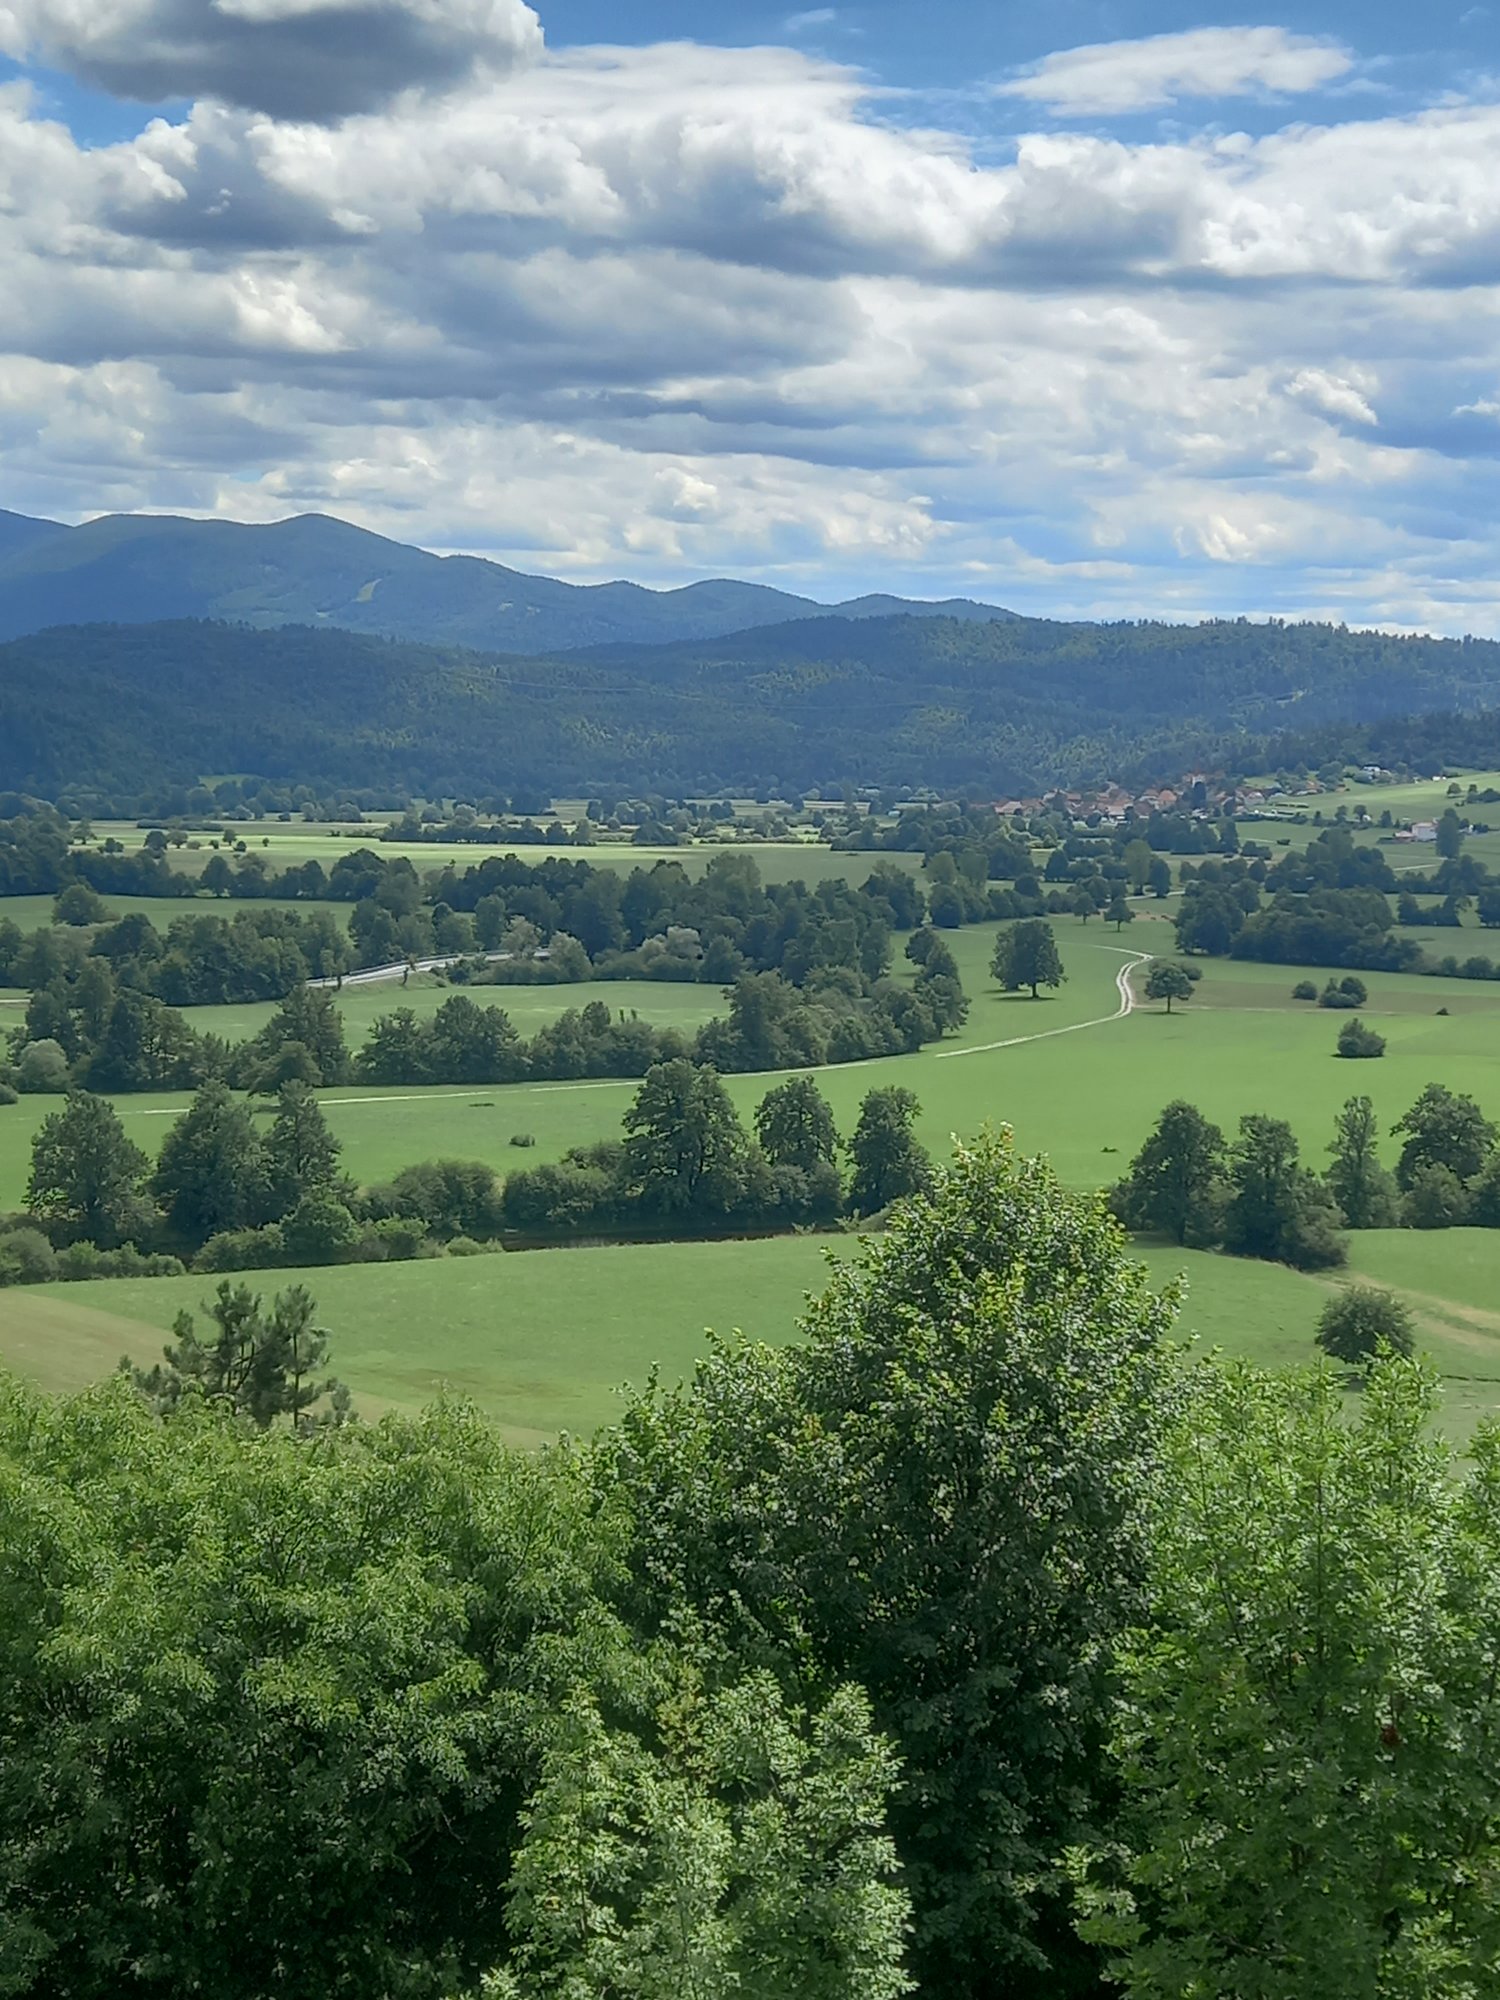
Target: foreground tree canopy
x=979, y=1646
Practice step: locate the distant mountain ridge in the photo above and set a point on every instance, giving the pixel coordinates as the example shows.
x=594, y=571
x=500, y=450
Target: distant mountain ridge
x=135, y=569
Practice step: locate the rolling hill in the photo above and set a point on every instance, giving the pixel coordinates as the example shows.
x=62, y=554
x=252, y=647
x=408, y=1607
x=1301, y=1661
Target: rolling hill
x=313, y=570
x=132, y=712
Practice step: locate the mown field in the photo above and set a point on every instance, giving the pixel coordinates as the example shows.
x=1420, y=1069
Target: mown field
x=543, y=1340
x=279, y=846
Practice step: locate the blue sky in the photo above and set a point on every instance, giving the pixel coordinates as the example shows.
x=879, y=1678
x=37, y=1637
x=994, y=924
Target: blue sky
x=1093, y=309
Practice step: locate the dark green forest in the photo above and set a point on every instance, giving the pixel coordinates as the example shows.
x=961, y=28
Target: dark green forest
x=1001, y=707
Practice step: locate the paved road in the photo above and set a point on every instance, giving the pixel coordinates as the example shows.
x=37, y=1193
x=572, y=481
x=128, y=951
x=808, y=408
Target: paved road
x=375, y=974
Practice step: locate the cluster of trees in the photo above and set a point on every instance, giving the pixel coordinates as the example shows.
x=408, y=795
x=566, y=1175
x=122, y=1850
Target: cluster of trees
x=232, y=1196
x=995, y=707
x=87, y=1026
x=200, y=961
x=687, y=1166
x=1255, y=1198
x=975, y=1644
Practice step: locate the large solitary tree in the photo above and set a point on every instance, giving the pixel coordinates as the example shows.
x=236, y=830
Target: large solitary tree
x=1026, y=954
x=1175, y=1186
x=1169, y=982
x=1444, y=1128
x=795, y=1126
x=685, y=1148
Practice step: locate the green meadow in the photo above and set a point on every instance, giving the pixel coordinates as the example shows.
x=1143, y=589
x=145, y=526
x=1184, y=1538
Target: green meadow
x=1073, y=1080
x=542, y=1339
x=808, y=860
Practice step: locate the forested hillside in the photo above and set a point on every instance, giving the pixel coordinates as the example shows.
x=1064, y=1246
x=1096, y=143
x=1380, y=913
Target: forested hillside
x=1001, y=707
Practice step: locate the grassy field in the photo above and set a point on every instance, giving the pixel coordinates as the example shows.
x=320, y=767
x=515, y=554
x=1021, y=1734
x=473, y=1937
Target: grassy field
x=1074, y=1081
x=282, y=846
x=529, y=1007
x=544, y=1339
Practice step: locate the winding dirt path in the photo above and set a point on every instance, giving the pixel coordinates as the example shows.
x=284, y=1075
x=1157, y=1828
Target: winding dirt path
x=1126, y=1007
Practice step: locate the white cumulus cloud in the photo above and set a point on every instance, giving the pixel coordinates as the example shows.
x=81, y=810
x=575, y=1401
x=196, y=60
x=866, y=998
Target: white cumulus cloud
x=1109, y=78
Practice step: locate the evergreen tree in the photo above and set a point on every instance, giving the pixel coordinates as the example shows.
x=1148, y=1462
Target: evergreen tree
x=301, y=1153
x=259, y=1365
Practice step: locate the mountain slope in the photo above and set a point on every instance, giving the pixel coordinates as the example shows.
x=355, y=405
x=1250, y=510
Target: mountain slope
x=137, y=569
x=20, y=532
x=133, y=712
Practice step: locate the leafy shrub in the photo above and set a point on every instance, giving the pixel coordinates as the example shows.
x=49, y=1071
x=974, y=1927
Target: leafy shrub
x=319, y=1230
x=1358, y=1040
x=26, y=1258
x=523, y=1139
x=9, y=1094
x=1304, y=990
x=42, y=1069
x=1436, y=1199
x=243, y=1250
x=1348, y=992
x=1353, y=1325
x=87, y=1260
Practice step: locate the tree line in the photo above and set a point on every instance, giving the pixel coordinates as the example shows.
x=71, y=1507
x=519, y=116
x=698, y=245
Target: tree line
x=228, y=1195
x=1255, y=1198
x=978, y=1644
x=87, y=1027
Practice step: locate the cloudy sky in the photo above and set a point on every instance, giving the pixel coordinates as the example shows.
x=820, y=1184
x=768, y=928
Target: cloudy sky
x=1100, y=308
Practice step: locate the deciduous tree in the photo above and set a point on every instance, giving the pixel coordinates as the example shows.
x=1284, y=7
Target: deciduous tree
x=86, y=1175
x=1026, y=954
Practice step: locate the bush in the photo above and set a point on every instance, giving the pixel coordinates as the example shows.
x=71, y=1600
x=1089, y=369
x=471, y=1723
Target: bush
x=1356, y=1040
x=523, y=1139
x=465, y=1246
x=9, y=1094
x=1304, y=990
x=243, y=1250
x=1347, y=993
x=1354, y=1324
x=1436, y=1199
x=26, y=1258
x=42, y=1069
x=319, y=1230
x=87, y=1260
x=394, y=1239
